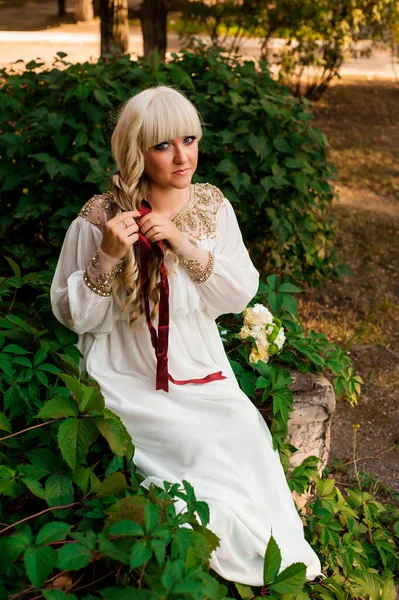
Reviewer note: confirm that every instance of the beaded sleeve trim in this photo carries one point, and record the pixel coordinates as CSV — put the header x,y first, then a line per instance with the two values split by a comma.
x,y
102,285
198,273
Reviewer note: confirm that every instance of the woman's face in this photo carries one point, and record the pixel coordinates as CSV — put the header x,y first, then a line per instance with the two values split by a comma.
x,y
172,163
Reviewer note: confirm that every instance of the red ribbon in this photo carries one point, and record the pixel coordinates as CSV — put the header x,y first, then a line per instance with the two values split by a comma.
x,y
160,340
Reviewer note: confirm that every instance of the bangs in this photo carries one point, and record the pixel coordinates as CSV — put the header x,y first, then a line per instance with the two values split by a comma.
x,y
169,115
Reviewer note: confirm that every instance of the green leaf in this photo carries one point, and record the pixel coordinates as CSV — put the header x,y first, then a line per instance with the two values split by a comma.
x,y
114,485
58,594
282,145
35,487
139,555
73,557
58,408
152,515
291,580
126,528
289,288
14,266
113,430
5,424
15,349
39,562
272,561
101,96
244,590
53,532
59,490
75,437
49,368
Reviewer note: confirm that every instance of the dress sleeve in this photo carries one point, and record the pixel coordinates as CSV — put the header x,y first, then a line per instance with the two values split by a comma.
x,y
73,302
234,280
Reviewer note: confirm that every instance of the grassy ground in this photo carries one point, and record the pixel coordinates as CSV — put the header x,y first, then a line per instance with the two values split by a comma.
x,y
361,120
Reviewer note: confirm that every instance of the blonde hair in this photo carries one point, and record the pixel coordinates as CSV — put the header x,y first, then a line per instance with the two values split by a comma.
x,y
153,116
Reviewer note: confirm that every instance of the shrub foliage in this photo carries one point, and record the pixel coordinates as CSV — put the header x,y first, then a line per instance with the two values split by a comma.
x,y
75,522
259,147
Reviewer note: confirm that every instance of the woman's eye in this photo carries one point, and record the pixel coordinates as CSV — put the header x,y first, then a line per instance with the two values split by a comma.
x,y
162,146
189,139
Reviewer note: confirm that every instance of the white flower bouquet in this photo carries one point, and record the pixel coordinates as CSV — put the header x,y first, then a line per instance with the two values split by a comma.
x,y
265,330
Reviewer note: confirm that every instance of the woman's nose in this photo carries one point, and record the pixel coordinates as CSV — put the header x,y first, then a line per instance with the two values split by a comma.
x,y
180,153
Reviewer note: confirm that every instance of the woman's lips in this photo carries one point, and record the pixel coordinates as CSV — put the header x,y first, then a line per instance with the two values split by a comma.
x,y
180,172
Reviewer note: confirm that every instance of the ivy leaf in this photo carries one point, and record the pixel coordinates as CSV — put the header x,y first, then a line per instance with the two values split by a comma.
x,y
291,580
152,515
14,266
75,437
272,561
39,562
5,424
35,487
113,485
282,145
58,408
15,349
139,555
59,490
53,532
126,528
73,557
113,430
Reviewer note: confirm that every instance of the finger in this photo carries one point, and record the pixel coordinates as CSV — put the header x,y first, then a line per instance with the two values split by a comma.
x,y
156,237
133,214
146,227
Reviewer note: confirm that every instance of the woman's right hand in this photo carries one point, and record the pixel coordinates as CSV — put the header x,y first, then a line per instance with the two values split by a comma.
x,y
120,233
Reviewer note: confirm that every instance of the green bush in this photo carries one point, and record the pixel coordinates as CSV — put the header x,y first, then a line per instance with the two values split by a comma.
x,y
259,147
75,523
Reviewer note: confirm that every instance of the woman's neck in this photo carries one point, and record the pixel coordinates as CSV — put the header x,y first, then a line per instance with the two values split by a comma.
x,y
166,201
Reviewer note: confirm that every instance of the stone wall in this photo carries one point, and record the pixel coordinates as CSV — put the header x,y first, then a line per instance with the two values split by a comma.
x,y
309,425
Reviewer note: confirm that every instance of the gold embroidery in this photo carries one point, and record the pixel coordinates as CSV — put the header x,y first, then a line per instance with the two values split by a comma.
x,y
198,216
103,283
195,270
94,209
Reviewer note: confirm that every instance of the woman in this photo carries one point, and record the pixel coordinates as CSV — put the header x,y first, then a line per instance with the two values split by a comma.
x,y
144,271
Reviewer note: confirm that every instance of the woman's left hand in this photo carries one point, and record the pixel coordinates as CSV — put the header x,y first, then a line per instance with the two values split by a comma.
x,y
156,228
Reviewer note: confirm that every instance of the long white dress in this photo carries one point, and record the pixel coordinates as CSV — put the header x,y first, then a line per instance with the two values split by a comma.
x,y
212,435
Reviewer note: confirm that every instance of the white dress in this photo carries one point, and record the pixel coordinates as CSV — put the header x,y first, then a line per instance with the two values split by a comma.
x,y
212,435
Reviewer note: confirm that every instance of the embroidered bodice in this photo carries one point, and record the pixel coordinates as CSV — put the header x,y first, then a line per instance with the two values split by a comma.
x,y
197,218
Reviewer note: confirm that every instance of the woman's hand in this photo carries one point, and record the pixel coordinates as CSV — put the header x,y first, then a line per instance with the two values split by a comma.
x,y
120,233
156,228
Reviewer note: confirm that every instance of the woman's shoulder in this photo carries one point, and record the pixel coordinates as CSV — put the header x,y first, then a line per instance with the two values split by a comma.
x,y
209,195
99,209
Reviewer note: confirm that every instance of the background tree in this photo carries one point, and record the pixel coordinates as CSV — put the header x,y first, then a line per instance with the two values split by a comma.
x,y
84,10
114,26
61,8
154,27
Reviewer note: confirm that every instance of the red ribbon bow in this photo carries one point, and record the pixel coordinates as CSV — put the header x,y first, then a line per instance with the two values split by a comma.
x,y
160,339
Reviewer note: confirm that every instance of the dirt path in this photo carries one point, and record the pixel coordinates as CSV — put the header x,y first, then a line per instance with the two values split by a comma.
x,y
362,312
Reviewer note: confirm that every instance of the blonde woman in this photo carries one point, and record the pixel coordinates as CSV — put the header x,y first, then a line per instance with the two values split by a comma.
x,y
144,271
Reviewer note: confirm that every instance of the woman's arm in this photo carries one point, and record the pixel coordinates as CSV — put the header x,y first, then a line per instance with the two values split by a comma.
x,y
226,277
80,290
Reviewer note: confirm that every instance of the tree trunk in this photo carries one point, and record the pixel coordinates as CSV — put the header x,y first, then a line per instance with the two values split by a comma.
x,y
153,25
61,8
114,26
120,29
84,10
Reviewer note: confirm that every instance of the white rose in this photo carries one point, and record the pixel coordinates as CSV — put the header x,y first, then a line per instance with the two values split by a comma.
x,y
257,315
280,339
245,332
